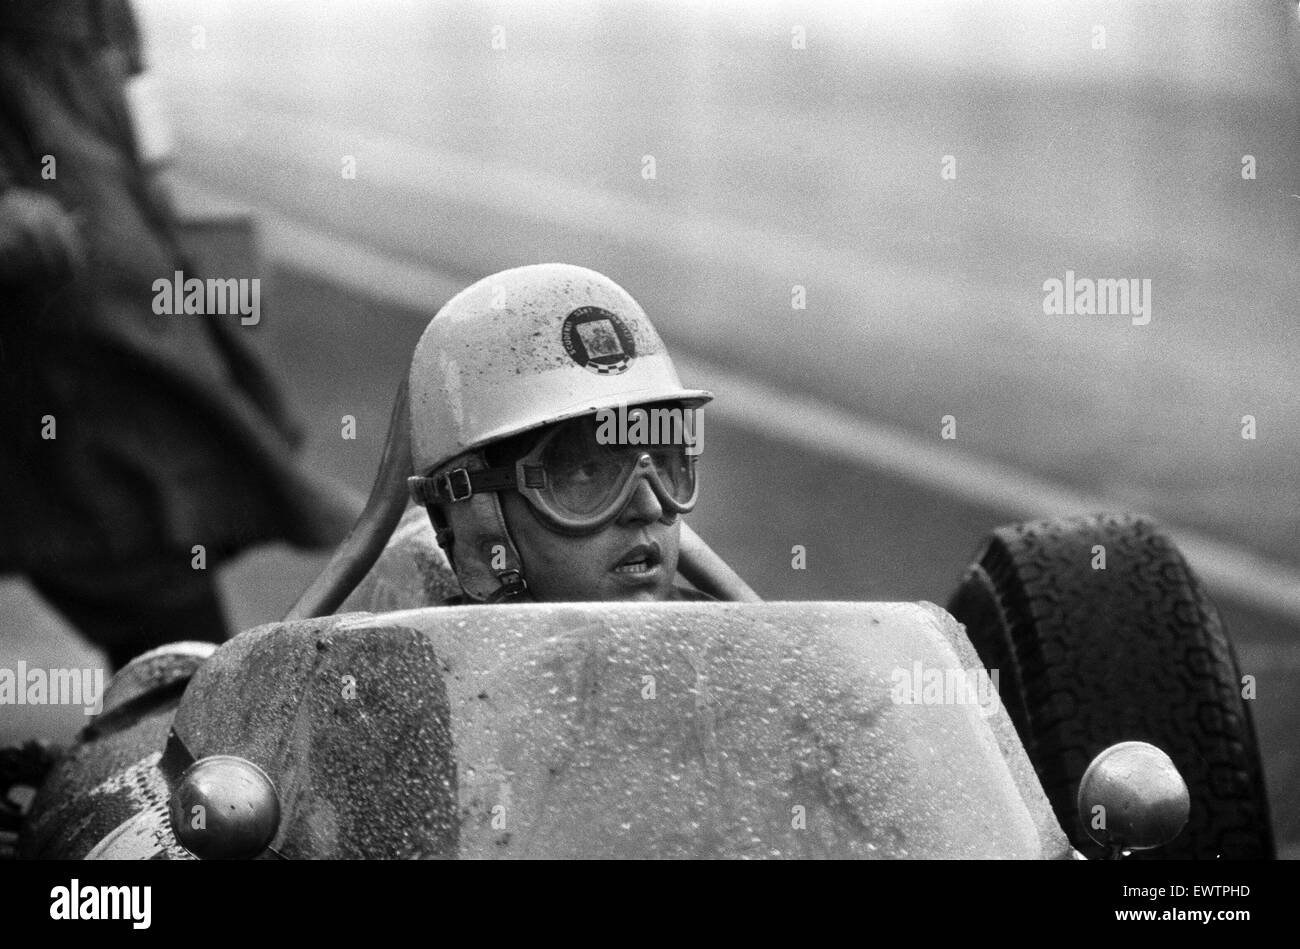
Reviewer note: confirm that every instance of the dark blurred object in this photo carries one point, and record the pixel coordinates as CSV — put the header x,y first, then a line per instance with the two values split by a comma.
x,y
21,767
105,27
168,431
36,235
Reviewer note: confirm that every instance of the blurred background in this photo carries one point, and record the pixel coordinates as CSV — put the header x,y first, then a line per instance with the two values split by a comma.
x,y
798,145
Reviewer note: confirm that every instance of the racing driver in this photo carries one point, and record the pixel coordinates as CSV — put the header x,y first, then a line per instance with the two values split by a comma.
x,y
533,492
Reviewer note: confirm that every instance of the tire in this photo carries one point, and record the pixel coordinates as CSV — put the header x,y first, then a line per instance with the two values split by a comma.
x,y
1135,651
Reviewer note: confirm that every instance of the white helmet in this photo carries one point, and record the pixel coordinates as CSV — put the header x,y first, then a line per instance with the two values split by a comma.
x,y
517,351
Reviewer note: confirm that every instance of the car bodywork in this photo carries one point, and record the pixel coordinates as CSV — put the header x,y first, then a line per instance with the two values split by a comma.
x,y
678,730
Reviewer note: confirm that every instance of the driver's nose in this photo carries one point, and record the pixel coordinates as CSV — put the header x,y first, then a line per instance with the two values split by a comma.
x,y
643,506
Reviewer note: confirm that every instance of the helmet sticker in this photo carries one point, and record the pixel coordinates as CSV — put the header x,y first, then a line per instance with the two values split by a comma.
x,y
598,340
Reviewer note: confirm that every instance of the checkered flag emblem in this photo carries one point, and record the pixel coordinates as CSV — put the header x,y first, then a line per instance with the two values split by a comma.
x,y
598,341
601,341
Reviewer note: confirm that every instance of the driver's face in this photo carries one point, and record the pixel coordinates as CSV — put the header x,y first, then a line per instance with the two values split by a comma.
x,y
633,557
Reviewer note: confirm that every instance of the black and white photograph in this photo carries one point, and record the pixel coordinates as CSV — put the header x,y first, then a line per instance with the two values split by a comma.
x,y
651,430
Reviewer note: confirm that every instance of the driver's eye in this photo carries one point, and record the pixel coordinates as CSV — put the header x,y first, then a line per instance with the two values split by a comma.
x,y
582,471
669,459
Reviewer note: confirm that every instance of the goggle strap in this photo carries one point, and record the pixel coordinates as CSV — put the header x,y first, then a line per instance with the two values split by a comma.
x,y
460,484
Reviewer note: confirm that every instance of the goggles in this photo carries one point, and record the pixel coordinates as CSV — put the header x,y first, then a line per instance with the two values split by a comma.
x,y
573,481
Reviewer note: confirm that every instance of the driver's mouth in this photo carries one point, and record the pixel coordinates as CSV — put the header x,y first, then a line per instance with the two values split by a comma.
x,y
640,559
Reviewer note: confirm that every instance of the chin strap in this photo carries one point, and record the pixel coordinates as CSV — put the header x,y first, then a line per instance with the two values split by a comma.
x,y
473,533
512,585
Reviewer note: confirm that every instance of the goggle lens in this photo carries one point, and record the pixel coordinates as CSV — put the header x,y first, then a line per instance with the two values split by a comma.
x,y
584,477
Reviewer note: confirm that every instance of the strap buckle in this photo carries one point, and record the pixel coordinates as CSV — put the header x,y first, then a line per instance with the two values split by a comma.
x,y
512,584
449,486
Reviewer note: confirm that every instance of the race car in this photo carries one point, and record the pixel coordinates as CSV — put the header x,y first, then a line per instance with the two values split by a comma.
x,y
1056,709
